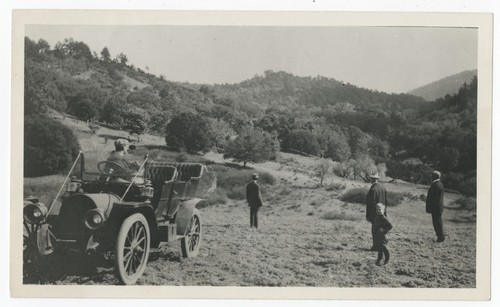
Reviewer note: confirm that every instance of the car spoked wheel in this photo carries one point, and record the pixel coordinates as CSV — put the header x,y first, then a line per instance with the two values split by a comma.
x,y
190,244
29,242
132,248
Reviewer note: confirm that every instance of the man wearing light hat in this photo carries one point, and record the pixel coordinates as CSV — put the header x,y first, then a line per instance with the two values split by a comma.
x,y
376,194
434,204
117,156
254,199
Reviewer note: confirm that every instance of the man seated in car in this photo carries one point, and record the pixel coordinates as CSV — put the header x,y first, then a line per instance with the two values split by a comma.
x,y
117,156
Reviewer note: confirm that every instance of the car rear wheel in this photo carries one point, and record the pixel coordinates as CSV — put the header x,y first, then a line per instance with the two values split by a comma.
x,y
190,244
132,248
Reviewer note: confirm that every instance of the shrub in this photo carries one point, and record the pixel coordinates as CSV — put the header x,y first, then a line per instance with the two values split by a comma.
x,y
469,186
228,177
337,147
322,169
337,187
49,147
302,141
362,167
342,169
218,197
467,203
83,108
358,195
240,192
410,196
285,191
394,198
252,145
234,180
189,131
465,183
414,173
237,193
340,215
314,203
266,178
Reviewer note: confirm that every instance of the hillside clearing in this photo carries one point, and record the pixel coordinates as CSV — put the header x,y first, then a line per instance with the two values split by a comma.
x,y
307,237
296,248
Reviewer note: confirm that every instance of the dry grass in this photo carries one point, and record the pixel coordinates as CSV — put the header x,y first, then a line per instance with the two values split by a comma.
x,y
296,248
340,215
307,237
45,188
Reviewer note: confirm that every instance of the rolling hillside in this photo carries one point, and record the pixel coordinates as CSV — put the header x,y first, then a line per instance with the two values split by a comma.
x,y
445,86
316,116
307,237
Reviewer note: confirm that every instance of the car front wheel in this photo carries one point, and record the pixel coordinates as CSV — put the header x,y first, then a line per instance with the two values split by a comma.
x,y
132,248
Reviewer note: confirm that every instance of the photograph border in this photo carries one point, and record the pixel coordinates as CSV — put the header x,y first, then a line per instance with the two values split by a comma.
x,y
482,21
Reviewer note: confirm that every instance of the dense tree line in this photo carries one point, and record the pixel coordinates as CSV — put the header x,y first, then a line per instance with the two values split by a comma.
x,y
253,120
49,147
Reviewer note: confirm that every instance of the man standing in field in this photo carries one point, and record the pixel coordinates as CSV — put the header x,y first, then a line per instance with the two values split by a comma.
x,y
434,204
376,194
254,200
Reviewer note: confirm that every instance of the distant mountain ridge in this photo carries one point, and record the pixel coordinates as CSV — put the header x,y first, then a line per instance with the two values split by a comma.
x,y
283,89
445,86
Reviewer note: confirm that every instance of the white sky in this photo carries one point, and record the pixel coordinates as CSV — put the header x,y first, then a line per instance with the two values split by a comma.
x,y
390,59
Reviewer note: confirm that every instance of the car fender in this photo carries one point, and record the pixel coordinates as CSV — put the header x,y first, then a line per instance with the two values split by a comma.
x,y
184,215
123,210
103,201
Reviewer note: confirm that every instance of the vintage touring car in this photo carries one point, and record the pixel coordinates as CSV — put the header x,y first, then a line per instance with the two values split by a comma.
x,y
107,208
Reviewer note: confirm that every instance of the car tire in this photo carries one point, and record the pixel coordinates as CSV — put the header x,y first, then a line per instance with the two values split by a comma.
x,y
132,248
190,244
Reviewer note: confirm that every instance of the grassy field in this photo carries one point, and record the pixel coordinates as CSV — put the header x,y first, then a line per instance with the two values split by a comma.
x,y
307,237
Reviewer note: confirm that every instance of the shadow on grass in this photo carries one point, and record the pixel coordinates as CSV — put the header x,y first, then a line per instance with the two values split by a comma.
x,y
307,187
153,147
111,137
57,267
159,254
237,166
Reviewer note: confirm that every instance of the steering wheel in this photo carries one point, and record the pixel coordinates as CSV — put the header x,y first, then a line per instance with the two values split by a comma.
x,y
105,166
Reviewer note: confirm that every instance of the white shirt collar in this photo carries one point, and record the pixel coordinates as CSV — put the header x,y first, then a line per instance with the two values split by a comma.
x,y
435,180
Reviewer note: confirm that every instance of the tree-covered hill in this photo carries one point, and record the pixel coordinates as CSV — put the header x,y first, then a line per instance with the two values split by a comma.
x,y
445,86
353,126
286,90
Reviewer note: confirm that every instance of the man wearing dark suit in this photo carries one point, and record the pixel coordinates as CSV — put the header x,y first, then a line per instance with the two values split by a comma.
x,y
254,200
376,194
434,204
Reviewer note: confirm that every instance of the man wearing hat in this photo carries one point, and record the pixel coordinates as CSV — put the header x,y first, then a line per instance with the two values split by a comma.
x,y
434,204
117,156
254,199
376,194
